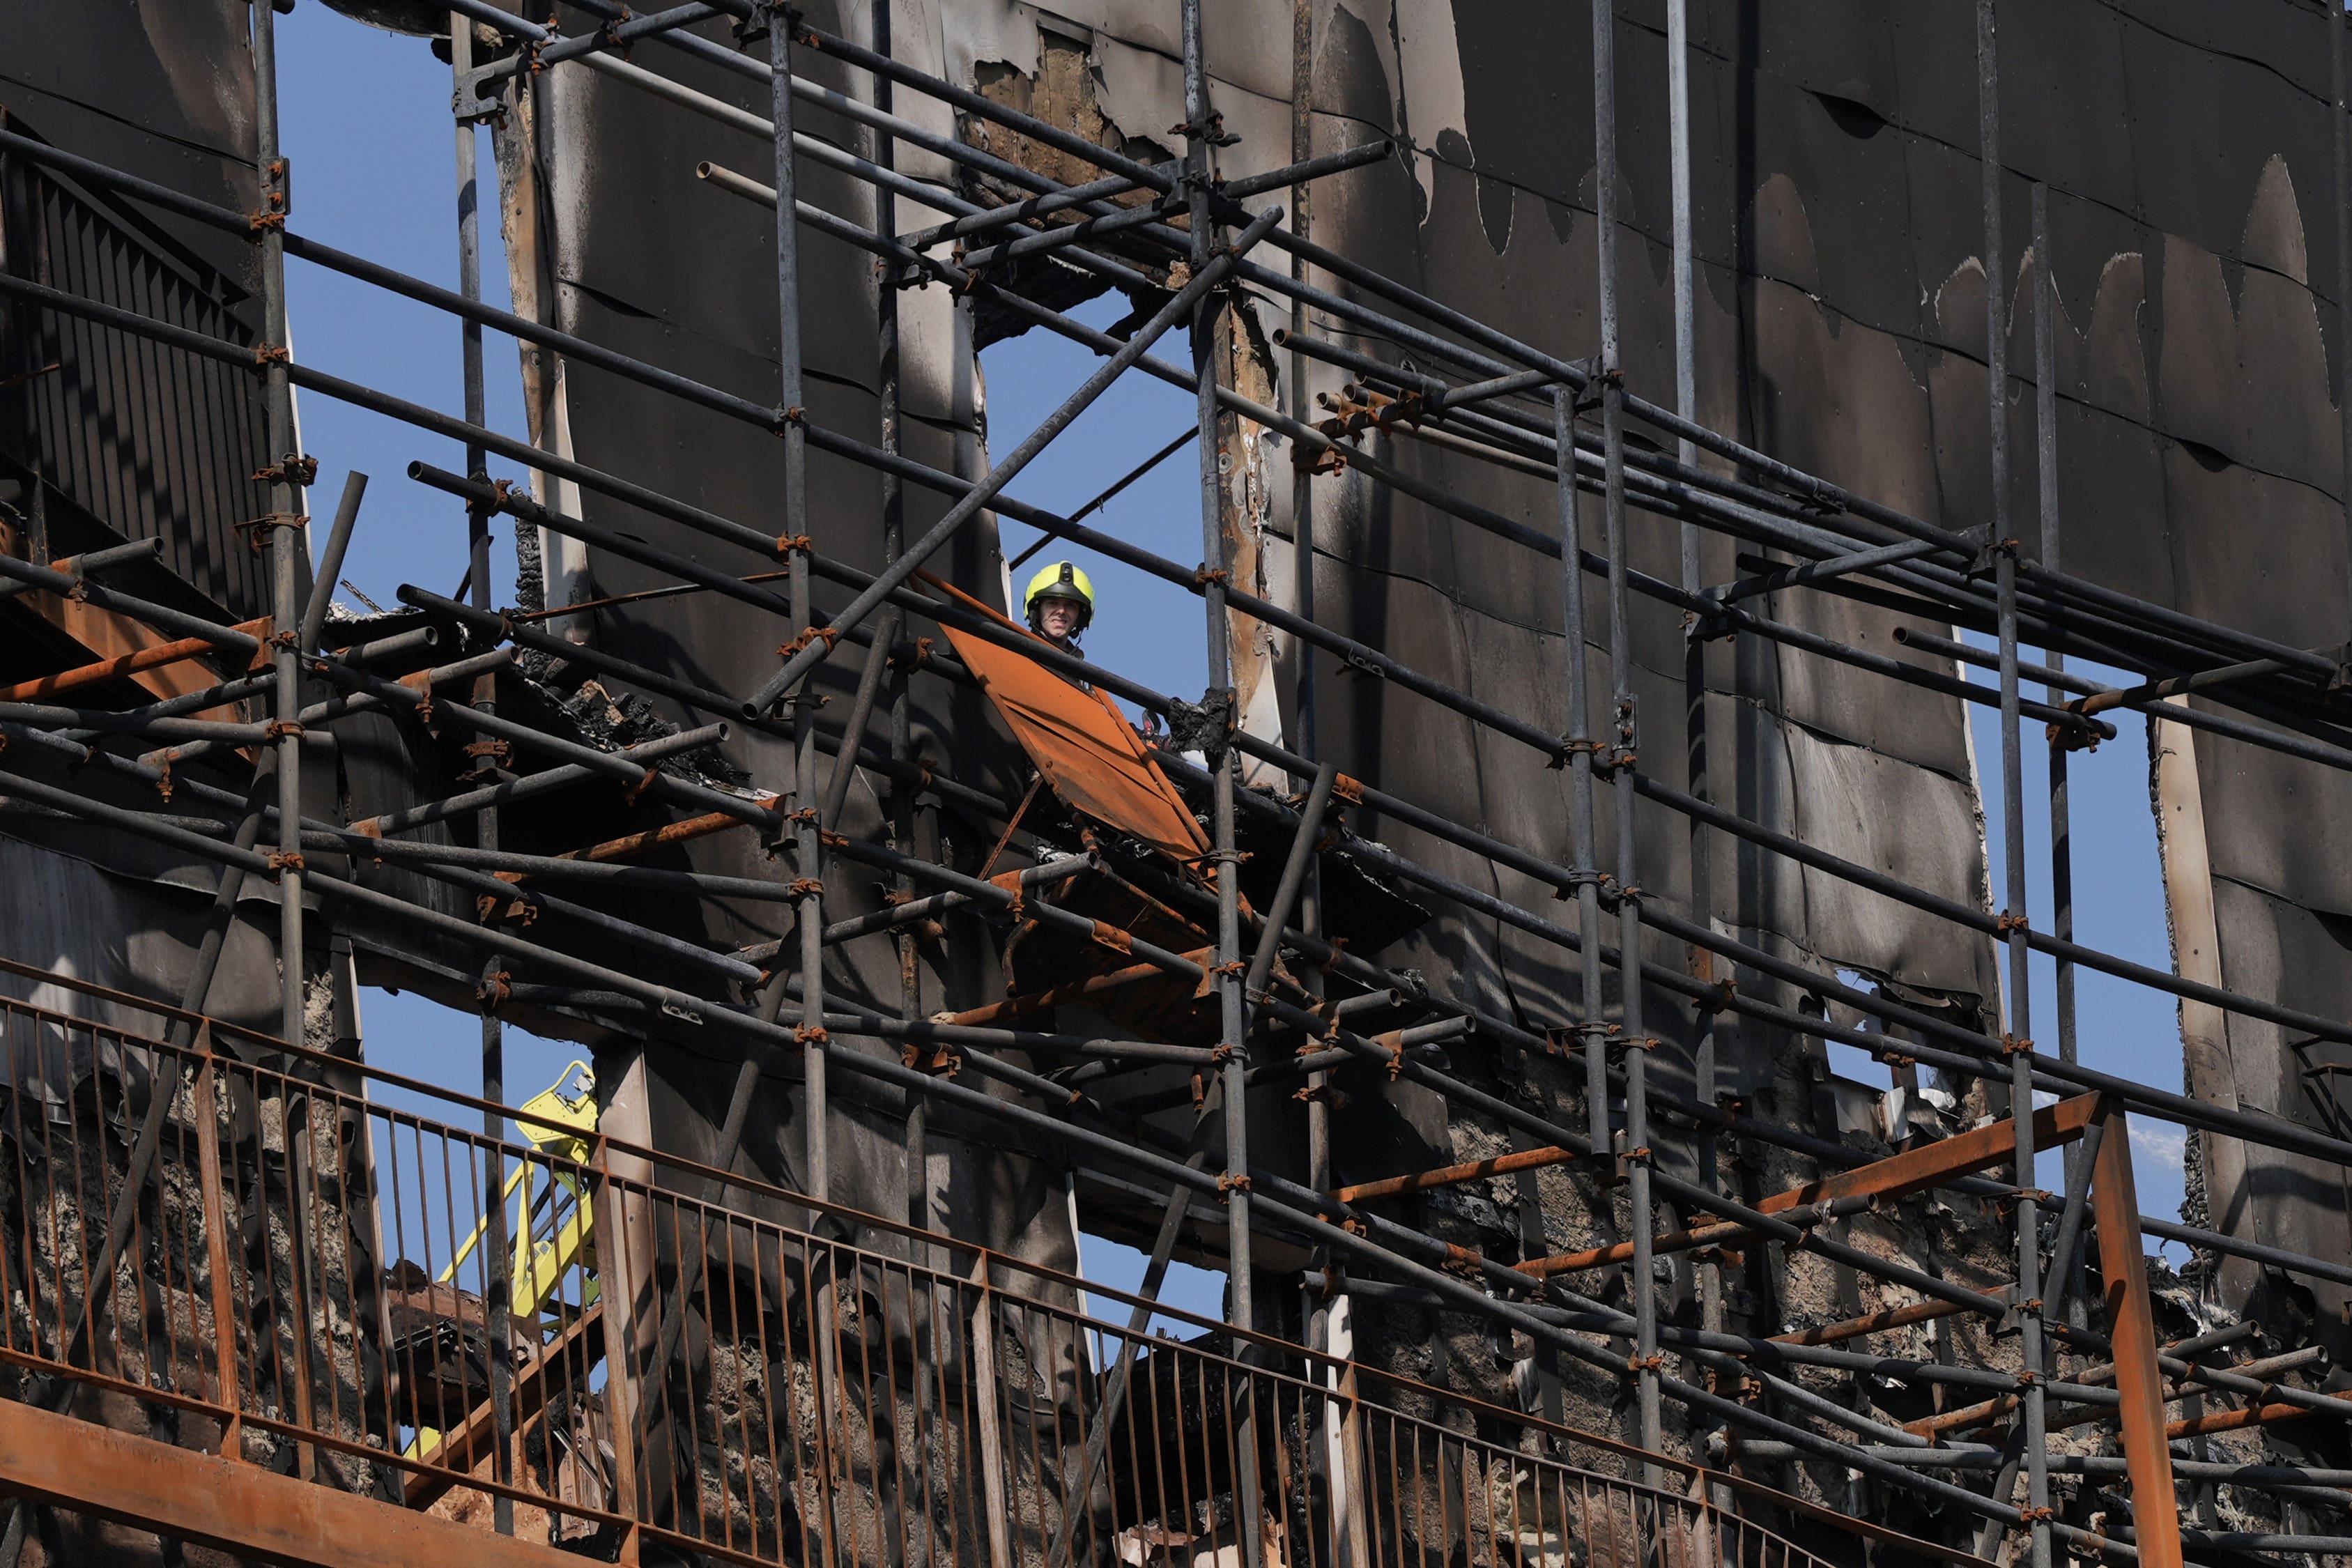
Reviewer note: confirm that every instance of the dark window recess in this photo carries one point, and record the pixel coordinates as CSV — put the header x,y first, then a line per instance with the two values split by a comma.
x,y
141,440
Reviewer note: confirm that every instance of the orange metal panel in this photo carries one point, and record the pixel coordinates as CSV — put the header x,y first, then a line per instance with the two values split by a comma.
x,y
248,1510
109,637
1079,741
129,664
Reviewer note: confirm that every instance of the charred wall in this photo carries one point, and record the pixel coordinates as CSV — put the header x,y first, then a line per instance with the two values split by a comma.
x,y
105,437
1840,326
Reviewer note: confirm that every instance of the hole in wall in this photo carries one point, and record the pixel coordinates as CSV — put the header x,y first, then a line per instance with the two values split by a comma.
x,y
1852,116
2209,459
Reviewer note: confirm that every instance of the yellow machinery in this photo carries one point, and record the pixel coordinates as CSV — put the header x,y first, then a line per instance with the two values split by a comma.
x,y
550,1217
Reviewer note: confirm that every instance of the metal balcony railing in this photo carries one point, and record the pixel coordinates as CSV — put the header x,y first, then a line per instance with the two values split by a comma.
x,y
725,1365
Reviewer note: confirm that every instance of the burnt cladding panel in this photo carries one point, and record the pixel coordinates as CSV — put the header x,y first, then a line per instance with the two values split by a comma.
x,y
147,440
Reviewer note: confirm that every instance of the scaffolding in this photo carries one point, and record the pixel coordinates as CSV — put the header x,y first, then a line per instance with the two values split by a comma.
x,y
1296,1452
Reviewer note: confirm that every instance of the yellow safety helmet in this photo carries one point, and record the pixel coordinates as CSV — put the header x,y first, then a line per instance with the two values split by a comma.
x,y
1062,580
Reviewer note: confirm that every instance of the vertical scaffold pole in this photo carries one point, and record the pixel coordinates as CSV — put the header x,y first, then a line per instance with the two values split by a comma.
x,y
287,532
1307,741
1218,553
1708,1268
900,802
1641,1287
2062,837
2018,1039
2045,454
1584,831
2339,22
497,1286
805,789
1330,1312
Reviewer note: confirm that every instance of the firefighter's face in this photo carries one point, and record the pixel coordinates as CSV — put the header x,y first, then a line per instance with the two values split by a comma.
x,y
1059,618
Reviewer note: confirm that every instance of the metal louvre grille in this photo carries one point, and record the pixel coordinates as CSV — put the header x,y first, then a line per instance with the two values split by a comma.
x,y
147,439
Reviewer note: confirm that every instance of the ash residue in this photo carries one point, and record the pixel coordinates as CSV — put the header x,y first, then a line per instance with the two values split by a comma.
x,y
600,714
531,572
613,719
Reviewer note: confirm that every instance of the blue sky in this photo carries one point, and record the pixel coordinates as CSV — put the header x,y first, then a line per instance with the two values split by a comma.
x,y
367,124
2118,909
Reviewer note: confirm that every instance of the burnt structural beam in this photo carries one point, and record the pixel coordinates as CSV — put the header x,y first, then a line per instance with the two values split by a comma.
x,y
287,527
1028,210
247,1510
288,547
228,639
552,48
1822,571
2140,700
1325,1307
330,563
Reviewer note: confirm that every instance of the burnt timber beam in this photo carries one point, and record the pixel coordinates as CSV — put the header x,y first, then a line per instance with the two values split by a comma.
x,y
574,1352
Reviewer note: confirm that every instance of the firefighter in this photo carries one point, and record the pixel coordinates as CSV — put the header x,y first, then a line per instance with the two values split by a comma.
x,y
1061,605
